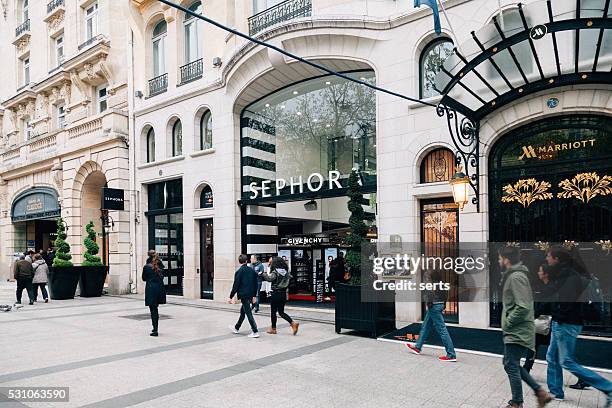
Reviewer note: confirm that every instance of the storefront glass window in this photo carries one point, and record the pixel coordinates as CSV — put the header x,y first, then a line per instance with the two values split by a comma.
x,y
315,126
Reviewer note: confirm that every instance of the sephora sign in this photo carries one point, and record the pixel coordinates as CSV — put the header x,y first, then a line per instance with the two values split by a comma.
x,y
295,185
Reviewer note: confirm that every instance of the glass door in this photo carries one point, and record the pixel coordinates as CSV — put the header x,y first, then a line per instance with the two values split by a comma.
x,y
167,239
439,237
207,259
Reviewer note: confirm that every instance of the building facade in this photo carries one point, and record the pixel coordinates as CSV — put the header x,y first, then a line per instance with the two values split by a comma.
x,y
64,127
226,147
242,142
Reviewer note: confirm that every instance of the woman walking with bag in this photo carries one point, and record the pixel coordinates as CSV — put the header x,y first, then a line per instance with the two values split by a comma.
x,y
155,293
280,277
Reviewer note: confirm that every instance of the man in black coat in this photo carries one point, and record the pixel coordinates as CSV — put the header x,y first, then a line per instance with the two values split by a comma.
x,y
24,273
245,286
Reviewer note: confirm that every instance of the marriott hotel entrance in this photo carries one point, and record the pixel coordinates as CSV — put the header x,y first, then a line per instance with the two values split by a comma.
x,y
298,148
551,182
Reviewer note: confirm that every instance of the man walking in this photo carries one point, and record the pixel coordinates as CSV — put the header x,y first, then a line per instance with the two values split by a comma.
x,y
518,326
259,269
567,322
24,273
245,285
436,300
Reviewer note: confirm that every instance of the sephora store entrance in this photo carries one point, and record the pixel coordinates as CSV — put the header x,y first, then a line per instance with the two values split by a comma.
x,y
298,148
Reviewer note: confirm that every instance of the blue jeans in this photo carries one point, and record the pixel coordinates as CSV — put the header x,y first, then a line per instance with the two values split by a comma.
x,y
561,355
434,317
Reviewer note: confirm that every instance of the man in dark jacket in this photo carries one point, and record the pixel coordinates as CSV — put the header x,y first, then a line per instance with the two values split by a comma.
x,y
24,273
518,327
567,321
435,302
245,286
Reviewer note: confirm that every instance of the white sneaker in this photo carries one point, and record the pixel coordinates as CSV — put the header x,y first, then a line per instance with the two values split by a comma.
x,y
233,329
254,335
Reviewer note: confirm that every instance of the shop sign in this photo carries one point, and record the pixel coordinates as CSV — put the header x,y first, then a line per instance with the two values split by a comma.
x,y
113,199
35,203
305,241
314,183
548,151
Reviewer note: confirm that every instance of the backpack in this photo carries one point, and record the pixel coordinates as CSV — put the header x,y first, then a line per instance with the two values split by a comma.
x,y
283,281
592,299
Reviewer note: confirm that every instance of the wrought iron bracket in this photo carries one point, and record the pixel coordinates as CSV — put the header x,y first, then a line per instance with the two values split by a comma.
x,y
464,133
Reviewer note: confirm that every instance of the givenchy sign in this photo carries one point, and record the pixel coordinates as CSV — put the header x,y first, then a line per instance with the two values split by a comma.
x,y
546,152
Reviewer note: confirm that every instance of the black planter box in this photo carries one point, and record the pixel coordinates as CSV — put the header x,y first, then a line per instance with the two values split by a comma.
x,y
63,282
92,280
374,317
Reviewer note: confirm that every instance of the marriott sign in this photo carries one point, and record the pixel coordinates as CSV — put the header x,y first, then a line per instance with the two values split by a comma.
x,y
547,151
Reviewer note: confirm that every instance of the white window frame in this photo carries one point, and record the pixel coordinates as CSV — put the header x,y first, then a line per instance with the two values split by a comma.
x,y
59,49
26,70
25,12
159,63
91,21
60,115
192,23
27,129
101,99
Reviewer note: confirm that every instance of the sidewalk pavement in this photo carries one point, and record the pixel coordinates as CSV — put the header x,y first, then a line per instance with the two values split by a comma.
x,y
100,348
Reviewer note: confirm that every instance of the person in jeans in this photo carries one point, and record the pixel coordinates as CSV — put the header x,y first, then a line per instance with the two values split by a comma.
x,y
567,322
245,286
155,292
24,273
41,271
518,327
279,276
544,295
436,300
258,268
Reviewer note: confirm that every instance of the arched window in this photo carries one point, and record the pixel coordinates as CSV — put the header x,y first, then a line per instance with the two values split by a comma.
x,y
177,139
25,11
193,34
438,165
206,197
159,49
432,58
150,146
206,131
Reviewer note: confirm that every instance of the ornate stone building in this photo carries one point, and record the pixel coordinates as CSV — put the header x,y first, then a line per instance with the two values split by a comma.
x,y
63,126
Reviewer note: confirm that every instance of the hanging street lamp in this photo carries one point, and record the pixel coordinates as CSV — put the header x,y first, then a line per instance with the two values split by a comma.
x,y
460,183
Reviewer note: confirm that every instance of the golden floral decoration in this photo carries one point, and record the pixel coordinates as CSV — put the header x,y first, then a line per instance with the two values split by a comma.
x,y
585,186
542,246
605,245
526,192
569,245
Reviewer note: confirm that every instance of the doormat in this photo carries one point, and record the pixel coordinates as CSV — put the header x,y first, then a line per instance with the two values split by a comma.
x,y
145,316
589,352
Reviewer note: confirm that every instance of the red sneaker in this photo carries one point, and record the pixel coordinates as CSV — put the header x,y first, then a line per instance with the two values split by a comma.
x,y
413,349
447,359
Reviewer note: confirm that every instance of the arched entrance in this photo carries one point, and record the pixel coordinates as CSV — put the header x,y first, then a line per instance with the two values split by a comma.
x,y
91,199
551,182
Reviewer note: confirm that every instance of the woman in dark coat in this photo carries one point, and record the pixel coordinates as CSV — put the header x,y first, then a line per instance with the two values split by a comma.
x,y
544,296
155,292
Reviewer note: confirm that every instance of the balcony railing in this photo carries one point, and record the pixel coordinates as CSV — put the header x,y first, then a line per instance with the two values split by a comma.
x,y
192,71
25,26
89,42
53,5
158,85
285,11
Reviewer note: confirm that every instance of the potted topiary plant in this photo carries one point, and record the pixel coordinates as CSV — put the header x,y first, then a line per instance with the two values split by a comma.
x,y
93,271
375,317
64,277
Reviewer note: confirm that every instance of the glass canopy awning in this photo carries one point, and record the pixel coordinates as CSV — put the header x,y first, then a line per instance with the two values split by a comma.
x,y
538,46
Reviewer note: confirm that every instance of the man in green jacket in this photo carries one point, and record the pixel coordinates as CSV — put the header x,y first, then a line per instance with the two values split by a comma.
x,y
518,326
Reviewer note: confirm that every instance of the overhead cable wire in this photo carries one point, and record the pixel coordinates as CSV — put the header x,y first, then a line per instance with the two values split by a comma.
x,y
293,56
